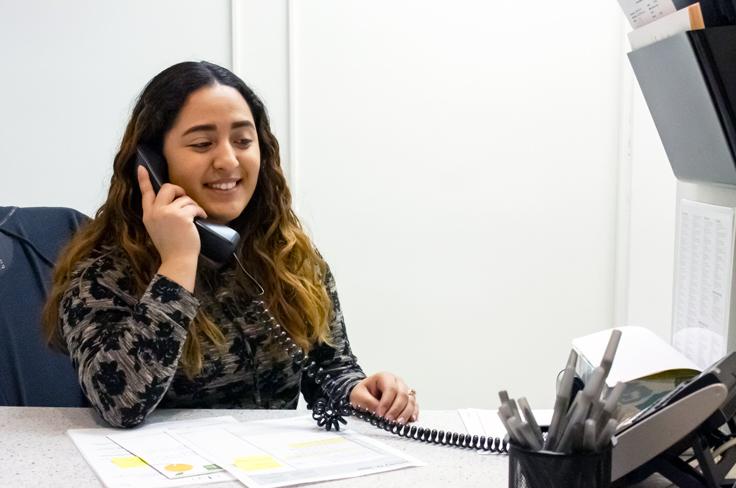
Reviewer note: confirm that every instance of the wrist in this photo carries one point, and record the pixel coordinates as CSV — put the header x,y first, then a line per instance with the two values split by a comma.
x,y
181,270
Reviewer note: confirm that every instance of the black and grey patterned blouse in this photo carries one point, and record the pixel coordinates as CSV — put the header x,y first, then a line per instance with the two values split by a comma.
x,y
126,348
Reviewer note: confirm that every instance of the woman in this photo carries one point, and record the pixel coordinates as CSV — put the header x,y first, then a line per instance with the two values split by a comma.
x,y
148,322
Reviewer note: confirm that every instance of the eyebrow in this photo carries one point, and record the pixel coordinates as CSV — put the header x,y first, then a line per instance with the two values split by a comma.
x,y
212,127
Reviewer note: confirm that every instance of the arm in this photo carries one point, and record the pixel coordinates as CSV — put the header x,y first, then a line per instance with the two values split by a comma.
x,y
337,360
125,349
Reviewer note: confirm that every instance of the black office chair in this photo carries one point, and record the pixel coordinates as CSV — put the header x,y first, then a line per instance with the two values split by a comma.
x,y
31,374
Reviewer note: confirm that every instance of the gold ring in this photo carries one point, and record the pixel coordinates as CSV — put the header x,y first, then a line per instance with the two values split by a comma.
x,y
412,392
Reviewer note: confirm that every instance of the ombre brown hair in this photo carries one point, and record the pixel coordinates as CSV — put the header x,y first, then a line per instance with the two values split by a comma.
x,y
273,245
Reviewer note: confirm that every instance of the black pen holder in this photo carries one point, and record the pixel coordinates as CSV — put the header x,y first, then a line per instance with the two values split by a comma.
x,y
545,469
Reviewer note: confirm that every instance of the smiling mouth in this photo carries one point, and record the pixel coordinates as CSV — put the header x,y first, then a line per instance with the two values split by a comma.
x,y
224,186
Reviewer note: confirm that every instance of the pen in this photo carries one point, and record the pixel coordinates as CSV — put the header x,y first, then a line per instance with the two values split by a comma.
x,y
610,353
606,434
580,408
564,391
515,425
513,435
611,404
572,359
572,432
529,437
529,416
596,409
589,443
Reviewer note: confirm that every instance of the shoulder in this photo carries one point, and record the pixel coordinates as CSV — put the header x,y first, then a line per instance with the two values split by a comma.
x,y
106,265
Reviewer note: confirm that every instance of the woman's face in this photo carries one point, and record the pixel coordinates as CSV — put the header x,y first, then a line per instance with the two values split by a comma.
x,y
212,151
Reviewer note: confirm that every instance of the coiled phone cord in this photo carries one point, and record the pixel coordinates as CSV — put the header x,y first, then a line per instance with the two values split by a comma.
x,y
330,412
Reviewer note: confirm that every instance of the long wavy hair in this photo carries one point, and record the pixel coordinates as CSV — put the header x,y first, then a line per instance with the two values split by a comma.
x,y
273,244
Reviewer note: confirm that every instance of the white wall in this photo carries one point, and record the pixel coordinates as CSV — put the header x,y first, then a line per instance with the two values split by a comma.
x,y
460,169
651,243
71,73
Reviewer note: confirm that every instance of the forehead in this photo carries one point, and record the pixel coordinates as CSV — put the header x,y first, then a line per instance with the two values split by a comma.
x,y
213,104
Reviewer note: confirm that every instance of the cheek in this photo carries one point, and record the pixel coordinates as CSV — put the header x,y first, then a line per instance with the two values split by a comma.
x,y
252,166
183,178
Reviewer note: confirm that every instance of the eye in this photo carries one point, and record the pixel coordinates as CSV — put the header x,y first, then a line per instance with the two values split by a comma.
x,y
200,145
243,142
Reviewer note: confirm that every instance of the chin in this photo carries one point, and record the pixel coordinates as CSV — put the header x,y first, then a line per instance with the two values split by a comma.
x,y
223,217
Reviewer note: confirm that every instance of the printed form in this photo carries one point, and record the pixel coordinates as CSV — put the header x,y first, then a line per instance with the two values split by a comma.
x,y
273,453
642,12
703,274
117,467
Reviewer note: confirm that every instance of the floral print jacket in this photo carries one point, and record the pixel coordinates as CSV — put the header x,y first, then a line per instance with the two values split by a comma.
x,y
126,348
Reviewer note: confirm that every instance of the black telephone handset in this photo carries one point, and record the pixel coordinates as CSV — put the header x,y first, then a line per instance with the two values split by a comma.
x,y
218,242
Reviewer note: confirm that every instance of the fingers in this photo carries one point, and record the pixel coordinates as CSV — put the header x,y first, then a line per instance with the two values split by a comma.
x,y
387,396
362,397
168,193
190,205
147,193
400,403
410,412
389,390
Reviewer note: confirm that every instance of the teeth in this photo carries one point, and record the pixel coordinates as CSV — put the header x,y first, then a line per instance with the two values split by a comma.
x,y
223,186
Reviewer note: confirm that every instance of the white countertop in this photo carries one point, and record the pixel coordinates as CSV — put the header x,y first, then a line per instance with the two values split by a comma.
x,y
36,452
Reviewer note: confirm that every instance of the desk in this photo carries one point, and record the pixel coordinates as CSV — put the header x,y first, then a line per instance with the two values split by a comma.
x,y
35,451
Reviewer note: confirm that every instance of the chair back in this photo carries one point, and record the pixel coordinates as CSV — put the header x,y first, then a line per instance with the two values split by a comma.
x,y
31,374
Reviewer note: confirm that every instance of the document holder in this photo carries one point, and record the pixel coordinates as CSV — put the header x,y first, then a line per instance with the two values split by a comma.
x,y
689,84
687,436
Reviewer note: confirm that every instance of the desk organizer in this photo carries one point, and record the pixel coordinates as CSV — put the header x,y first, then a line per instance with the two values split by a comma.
x,y
545,469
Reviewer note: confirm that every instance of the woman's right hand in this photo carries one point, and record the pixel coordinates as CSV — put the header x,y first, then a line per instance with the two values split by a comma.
x,y
169,220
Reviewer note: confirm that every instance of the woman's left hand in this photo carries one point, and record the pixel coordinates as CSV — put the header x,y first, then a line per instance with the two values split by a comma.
x,y
388,396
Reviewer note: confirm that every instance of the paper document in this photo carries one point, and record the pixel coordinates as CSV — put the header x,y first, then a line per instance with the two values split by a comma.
x,y
703,273
642,12
273,453
640,353
117,467
165,454
686,19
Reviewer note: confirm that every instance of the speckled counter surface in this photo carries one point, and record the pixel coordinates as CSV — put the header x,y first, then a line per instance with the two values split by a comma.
x,y
35,451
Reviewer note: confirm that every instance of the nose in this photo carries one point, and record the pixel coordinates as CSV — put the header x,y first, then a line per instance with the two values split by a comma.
x,y
225,158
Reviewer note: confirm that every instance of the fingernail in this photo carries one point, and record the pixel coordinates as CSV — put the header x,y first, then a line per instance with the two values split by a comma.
x,y
401,420
389,417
